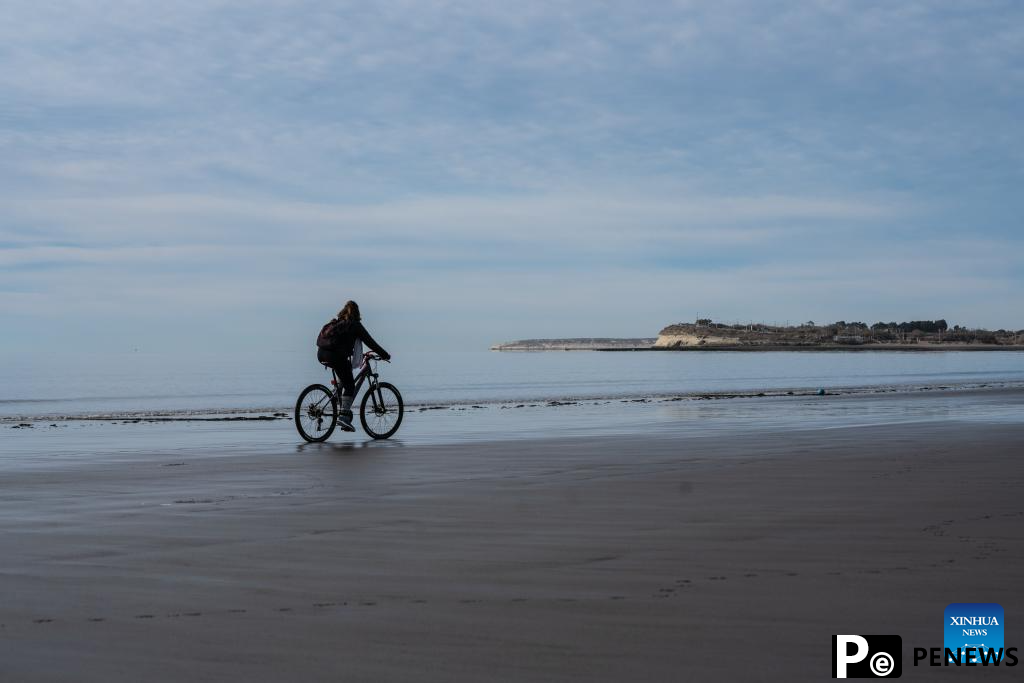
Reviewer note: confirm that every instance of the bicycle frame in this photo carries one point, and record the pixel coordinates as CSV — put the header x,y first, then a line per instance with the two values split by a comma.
x,y
366,373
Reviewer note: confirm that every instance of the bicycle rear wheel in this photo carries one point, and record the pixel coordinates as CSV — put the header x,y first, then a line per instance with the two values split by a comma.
x,y
381,411
316,413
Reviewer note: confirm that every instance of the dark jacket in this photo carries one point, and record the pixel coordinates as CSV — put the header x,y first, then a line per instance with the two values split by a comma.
x,y
337,346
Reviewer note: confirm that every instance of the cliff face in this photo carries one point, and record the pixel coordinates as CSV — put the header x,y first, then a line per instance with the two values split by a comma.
x,y
716,334
675,338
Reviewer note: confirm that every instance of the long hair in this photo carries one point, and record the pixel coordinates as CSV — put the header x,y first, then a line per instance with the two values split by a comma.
x,y
349,312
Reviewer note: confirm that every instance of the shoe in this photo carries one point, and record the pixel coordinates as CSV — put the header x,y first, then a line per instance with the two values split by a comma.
x,y
345,415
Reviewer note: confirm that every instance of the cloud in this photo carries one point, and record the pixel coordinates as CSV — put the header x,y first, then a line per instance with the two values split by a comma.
x,y
147,218
528,165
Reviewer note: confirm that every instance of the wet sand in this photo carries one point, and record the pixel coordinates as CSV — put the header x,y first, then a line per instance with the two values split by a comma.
x,y
617,558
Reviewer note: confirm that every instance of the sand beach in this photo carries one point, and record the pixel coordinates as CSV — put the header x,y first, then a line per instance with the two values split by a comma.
x,y
622,557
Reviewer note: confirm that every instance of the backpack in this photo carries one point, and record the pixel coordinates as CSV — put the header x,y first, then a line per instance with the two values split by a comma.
x,y
334,335
327,338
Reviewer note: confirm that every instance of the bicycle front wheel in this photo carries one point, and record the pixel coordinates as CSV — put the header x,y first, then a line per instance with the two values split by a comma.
x,y
381,411
316,413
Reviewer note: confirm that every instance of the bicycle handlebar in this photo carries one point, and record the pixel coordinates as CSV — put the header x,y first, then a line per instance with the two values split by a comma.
x,y
370,355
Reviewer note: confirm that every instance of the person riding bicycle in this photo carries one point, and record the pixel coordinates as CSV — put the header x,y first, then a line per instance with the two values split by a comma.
x,y
334,349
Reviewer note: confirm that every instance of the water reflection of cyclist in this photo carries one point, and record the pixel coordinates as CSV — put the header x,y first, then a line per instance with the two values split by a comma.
x,y
334,348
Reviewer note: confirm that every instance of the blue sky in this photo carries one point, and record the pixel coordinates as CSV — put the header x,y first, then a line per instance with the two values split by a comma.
x,y
226,174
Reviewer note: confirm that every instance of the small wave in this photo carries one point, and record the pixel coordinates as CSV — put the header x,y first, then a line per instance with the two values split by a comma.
x,y
271,413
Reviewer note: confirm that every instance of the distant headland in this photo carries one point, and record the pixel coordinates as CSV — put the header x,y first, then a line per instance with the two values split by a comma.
x,y
579,344
705,334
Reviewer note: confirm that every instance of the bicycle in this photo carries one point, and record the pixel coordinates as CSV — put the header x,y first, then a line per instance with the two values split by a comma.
x,y
380,412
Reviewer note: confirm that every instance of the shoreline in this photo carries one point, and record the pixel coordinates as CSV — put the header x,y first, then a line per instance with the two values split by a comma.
x,y
271,414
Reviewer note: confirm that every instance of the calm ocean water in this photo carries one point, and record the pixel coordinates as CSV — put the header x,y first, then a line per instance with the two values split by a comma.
x,y
141,383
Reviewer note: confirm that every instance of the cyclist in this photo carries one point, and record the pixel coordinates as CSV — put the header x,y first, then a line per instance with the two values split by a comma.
x,y
334,349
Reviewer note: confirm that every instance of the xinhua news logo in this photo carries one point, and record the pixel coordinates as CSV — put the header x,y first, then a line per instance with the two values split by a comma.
x,y
975,629
867,656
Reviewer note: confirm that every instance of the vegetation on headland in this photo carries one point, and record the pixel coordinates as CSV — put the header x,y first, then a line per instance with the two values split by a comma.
x,y
922,333
707,334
